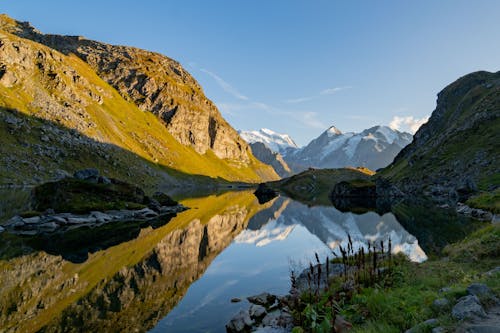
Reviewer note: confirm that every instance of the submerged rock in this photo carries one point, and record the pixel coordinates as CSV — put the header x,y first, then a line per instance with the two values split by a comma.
x,y
240,323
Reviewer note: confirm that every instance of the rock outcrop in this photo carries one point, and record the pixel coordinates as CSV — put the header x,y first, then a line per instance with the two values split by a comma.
x,y
457,152
267,156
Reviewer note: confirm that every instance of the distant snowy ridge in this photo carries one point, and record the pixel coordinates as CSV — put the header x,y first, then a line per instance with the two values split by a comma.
x,y
373,148
275,141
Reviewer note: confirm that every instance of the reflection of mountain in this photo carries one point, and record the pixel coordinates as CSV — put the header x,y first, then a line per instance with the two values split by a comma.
x,y
332,227
127,287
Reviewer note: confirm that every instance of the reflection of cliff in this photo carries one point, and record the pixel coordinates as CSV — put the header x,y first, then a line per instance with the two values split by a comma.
x,y
127,287
332,227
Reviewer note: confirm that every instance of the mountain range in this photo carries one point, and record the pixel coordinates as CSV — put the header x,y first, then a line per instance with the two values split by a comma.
x,y
372,148
67,103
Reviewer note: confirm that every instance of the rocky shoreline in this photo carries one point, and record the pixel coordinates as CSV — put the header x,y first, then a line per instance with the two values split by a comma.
x,y
52,222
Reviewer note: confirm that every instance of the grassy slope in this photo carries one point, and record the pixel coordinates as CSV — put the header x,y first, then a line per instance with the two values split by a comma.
x,y
315,185
103,265
122,124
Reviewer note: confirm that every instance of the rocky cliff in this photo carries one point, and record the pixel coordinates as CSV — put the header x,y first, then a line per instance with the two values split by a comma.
x,y
457,153
267,156
74,118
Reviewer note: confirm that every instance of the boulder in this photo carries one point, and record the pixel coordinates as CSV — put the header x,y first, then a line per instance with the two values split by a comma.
x,y
264,299
468,307
278,318
32,220
240,323
145,213
81,220
101,217
257,311
2,229
482,292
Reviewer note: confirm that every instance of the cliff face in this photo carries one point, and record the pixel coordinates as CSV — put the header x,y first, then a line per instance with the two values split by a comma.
x,y
457,152
155,83
267,156
59,115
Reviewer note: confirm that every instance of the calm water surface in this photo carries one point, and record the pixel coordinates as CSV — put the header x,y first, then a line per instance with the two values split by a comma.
x,y
179,274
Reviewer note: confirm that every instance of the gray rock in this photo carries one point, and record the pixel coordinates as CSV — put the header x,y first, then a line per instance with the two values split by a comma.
x,y
493,272
90,174
2,229
265,299
483,329
438,329
257,311
441,304
445,290
495,218
278,319
16,221
468,307
32,220
101,217
104,180
145,213
480,290
240,322
59,219
81,220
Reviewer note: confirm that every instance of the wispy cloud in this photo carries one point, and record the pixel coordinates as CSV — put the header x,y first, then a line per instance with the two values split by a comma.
x,y
334,90
299,100
407,123
308,118
328,91
225,85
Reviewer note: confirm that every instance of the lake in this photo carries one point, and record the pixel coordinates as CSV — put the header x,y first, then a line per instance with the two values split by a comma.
x,y
179,274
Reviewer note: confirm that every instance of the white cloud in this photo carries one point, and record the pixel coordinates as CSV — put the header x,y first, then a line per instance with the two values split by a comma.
x,y
225,86
331,91
299,100
328,91
407,123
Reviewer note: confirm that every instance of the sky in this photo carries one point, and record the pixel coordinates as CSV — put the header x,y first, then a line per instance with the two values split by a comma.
x,y
298,67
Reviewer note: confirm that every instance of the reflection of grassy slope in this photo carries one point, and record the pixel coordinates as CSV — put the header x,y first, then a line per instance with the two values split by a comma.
x,y
103,265
314,186
119,122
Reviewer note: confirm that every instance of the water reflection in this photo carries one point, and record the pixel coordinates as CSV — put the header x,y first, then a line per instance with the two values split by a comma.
x,y
178,275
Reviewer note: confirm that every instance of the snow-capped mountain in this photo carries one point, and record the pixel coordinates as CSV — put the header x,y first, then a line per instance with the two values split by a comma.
x,y
275,141
373,148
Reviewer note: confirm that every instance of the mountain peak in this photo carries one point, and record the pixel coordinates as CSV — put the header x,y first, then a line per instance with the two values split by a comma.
x,y
277,142
332,130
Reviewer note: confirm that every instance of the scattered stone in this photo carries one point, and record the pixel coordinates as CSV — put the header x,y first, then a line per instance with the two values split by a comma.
x,y
265,299
81,220
441,304
103,180
59,219
438,329
494,271
2,229
278,318
240,322
257,311
444,290
101,217
16,221
483,329
424,326
468,307
145,213
49,226
32,220
235,300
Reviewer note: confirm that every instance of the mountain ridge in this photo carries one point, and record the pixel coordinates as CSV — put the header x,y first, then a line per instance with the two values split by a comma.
x,y
74,119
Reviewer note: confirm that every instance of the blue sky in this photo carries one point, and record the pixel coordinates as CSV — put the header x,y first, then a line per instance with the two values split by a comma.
x,y
298,67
